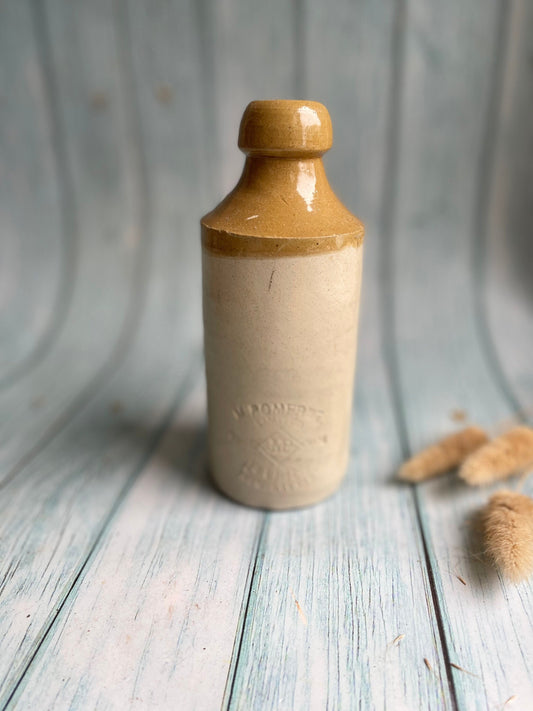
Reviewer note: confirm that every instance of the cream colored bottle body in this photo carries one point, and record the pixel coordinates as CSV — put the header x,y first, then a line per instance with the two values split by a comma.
x,y
280,324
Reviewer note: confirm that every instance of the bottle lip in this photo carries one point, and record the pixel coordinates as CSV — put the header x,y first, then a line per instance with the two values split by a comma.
x,y
285,128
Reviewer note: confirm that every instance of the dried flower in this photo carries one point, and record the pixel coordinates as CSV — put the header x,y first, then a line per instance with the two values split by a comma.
x,y
99,100
507,454
459,415
507,524
164,94
443,456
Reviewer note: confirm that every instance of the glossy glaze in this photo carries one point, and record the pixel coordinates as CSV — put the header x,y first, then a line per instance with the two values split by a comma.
x,y
283,192
282,262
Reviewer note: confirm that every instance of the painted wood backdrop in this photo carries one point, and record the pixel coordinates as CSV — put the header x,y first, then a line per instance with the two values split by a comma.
x,y
126,581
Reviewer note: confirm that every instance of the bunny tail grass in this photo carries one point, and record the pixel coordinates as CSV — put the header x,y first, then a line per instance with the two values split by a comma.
x,y
507,524
508,454
442,456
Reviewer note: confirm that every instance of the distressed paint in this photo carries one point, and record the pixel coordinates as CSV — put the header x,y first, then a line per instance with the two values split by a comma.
x,y
31,229
339,563
439,362
72,483
335,605
93,149
159,600
505,244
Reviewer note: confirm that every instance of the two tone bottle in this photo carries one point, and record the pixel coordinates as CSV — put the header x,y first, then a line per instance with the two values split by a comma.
x,y
282,265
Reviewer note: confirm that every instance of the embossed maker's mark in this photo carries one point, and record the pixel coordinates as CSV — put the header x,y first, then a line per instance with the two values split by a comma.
x,y
268,477
278,447
262,412
283,444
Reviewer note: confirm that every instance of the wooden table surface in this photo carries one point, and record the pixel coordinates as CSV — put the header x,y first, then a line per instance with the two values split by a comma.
x,y
126,580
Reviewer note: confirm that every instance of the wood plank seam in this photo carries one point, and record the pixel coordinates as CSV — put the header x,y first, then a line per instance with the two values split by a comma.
x,y
299,60
481,210
299,88
398,30
478,237
69,225
140,274
206,61
192,374
154,345
254,575
387,288
389,336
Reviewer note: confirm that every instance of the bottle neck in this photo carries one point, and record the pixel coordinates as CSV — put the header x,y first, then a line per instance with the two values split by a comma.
x,y
299,178
283,197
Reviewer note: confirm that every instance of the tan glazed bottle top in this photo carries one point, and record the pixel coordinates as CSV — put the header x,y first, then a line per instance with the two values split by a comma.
x,y
283,193
285,128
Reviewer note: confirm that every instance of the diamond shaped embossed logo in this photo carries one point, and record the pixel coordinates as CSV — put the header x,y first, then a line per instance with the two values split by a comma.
x,y
278,447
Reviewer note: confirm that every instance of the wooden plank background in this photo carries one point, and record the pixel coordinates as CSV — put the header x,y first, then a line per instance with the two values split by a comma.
x,y
126,580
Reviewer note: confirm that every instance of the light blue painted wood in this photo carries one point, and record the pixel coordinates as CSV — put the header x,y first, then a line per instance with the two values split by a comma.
x,y
141,102
349,67
253,57
172,131
73,486
151,623
336,585
94,148
72,493
179,121
506,291
440,362
31,227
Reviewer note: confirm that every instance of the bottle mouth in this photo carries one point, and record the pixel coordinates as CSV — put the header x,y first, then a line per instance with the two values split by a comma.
x,y
285,128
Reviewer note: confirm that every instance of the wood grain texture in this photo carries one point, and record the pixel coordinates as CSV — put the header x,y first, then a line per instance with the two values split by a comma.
x,y
439,362
72,486
349,66
30,301
125,580
169,86
337,584
330,590
159,601
78,55
505,244
174,120
252,51
71,493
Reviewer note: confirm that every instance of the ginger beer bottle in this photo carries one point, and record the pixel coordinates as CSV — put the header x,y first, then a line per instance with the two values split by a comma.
x,y
281,263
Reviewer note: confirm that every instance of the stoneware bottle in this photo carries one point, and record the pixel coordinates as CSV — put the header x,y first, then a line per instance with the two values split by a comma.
x,y
281,261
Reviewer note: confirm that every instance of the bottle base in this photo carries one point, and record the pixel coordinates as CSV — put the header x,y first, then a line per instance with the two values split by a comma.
x,y
266,500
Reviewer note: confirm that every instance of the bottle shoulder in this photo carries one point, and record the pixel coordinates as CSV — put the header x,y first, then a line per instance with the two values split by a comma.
x,y
279,215
283,198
